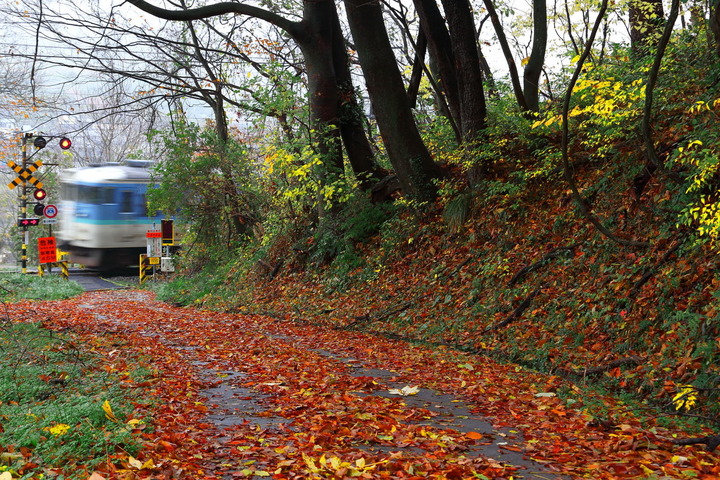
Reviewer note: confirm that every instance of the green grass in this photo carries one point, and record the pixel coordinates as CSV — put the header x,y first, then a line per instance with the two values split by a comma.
x,y
16,286
52,395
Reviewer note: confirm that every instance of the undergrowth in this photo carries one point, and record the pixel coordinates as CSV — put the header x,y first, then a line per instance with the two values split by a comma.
x,y
60,414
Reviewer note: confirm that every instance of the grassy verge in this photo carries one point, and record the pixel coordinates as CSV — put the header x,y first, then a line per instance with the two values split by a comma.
x,y
16,286
61,413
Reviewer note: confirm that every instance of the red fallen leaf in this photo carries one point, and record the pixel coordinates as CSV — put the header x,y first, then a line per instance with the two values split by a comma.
x,y
166,445
474,435
511,448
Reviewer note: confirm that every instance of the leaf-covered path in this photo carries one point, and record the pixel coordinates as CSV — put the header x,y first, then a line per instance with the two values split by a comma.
x,y
248,396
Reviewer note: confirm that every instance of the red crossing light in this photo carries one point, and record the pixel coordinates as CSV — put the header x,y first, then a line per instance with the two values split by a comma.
x,y
39,194
65,143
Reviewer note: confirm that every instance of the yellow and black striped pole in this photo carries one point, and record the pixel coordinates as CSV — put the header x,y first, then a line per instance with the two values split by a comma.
x,y
143,271
23,208
64,272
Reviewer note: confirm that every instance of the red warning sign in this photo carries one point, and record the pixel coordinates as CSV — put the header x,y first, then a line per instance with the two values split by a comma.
x,y
47,250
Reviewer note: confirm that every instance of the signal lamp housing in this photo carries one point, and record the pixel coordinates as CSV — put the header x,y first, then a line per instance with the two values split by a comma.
x,y
39,194
39,142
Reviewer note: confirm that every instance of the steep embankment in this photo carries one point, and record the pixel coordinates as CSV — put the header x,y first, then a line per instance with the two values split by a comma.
x,y
527,279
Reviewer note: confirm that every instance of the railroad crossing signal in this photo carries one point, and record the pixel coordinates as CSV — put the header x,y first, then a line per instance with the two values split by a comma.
x,y
27,222
25,174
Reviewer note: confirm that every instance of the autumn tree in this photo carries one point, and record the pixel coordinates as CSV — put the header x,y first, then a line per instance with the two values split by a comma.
x,y
407,152
316,35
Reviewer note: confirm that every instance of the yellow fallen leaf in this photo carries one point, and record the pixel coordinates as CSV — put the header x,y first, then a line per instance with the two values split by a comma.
x,y
5,476
108,411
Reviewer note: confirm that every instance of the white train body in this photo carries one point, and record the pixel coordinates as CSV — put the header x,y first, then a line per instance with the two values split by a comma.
x,y
103,217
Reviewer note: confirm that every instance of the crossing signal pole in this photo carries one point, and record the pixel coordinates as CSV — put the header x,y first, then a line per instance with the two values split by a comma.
x,y
23,205
25,175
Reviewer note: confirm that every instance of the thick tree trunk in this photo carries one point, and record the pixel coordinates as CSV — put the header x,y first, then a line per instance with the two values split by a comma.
x,y
715,25
357,146
316,43
534,67
406,150
473,112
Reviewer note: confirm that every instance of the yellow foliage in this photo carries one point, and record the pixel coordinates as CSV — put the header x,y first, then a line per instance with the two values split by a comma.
x,y
59,429
685,398
109,414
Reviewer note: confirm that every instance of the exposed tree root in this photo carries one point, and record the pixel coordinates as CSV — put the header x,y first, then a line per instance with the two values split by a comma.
x,y
711,442
555,252
516,314
590,371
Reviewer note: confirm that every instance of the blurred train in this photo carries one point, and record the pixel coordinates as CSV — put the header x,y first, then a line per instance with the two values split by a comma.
x,y
103,216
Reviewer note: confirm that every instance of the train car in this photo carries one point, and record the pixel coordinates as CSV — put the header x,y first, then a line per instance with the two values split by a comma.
x,y
103,216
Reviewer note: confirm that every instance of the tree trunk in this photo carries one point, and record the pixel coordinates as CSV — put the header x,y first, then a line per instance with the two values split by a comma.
x,y
473,112
535,64
316,43
715,25
507,52
441,53
408,154
357,146
418,68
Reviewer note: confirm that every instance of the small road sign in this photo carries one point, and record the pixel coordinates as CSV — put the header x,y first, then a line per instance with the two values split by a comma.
x,y
50,211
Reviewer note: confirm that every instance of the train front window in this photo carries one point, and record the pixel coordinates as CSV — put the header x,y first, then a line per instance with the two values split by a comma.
x,y
69,192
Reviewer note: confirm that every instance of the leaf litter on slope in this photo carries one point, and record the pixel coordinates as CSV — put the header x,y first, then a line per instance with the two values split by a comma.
x,y
331,425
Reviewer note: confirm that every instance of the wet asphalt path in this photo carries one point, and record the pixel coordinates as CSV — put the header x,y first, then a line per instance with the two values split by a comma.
x,y
94,281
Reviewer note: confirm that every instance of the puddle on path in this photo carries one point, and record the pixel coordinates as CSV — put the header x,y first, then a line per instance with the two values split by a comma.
x,y
231,404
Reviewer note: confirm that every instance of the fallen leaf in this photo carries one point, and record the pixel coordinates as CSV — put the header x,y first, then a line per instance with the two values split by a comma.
x,y
405,391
